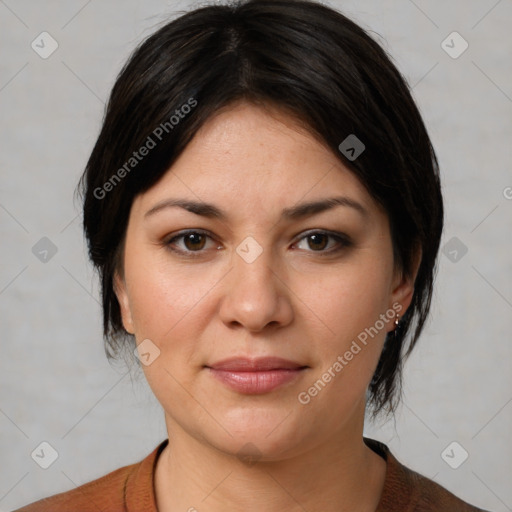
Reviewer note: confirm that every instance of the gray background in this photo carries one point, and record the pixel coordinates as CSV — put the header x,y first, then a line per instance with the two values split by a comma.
x,y
56,384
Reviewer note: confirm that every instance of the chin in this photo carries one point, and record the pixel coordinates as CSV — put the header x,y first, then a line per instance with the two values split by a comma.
x,y
259,433
258,448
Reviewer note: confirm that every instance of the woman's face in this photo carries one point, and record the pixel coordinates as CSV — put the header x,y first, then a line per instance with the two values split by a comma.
x,y
272,249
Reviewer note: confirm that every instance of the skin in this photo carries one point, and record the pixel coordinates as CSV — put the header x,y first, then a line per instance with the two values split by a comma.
x,y
301,299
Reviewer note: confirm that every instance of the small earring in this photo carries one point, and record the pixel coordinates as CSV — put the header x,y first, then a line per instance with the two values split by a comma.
x,y
397,321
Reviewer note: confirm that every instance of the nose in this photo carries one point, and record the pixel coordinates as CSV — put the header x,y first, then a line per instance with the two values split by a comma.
x,y
256,295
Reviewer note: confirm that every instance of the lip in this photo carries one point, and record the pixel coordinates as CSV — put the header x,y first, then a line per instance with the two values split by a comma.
x,y
247,364
256,376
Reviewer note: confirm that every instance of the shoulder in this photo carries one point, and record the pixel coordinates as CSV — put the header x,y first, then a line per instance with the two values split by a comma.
x,y
115,492
408,491
107,491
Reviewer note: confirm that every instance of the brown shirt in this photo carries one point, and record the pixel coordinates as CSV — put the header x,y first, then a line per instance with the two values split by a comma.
x,y
130,489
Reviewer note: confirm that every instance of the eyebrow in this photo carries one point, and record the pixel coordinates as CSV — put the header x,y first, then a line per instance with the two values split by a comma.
x,y
293,213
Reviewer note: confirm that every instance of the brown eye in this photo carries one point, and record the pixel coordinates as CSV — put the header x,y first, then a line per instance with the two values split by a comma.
x,y
194,241
318,241
191,243
324,242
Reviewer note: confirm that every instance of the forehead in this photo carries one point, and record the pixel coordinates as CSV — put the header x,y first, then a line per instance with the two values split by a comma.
x,y
247,156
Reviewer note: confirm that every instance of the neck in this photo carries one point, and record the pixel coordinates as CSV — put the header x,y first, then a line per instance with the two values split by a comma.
x,y
338,475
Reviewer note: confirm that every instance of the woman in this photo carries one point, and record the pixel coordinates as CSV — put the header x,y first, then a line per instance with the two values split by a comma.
x,y
263,205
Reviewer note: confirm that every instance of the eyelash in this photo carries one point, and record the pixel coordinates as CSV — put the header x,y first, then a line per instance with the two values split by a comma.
x,y
343,241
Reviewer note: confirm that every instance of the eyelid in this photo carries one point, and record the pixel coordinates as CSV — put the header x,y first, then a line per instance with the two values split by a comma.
x,y
181,234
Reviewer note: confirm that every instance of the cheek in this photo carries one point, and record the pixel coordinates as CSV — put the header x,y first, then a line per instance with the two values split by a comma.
x,y
349,303
349,299
169,308
166,300
347,351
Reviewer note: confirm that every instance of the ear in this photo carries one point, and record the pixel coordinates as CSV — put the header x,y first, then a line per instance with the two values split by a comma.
x,y
124,302
403,286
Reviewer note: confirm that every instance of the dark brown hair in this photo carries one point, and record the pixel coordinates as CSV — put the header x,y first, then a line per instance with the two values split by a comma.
x,y
307,60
